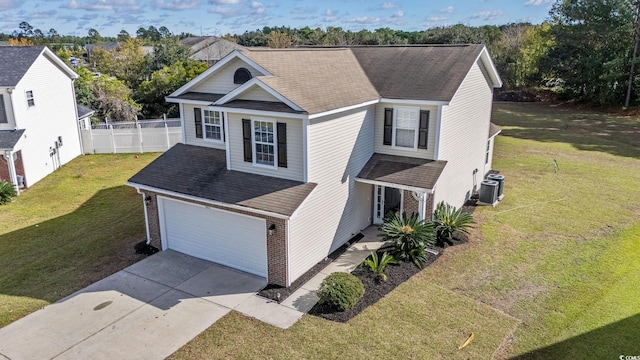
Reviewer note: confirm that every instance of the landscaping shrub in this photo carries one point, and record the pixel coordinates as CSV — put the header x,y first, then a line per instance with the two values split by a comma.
x,y
7,191
341,291
377,265
448,220
409,237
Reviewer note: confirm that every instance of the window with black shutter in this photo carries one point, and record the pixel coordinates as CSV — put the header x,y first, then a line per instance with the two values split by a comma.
x,y
197,115
282,145
388,126
246,139
423,134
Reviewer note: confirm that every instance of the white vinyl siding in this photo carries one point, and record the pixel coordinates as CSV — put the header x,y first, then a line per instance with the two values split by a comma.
x,y
393,150
190,129
294,169
463,138
339,146
53,115
257,93
221,81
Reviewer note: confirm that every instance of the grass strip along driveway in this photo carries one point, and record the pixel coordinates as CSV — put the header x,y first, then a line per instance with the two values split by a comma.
x,y
551,272
74,227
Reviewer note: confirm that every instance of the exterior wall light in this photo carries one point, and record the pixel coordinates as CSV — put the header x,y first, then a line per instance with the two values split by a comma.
x,y
272,229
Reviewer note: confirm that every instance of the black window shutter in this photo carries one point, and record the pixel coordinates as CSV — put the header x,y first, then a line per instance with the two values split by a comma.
x,y
3,111
222,126
282,145
197,115
423,134
388,126
246,139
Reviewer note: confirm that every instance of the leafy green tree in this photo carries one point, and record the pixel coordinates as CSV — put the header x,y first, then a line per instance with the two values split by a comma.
x,y
93,36
129,63
279,40
151,93
169,50
593,42
123,35
112,99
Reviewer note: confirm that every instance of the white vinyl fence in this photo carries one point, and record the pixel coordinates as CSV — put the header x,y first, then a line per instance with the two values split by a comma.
x,y
132,137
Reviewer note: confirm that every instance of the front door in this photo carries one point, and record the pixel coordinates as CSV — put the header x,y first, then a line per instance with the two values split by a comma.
x,y
386,199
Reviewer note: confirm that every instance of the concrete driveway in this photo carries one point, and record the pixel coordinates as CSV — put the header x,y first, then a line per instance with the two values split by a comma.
x,y
146,311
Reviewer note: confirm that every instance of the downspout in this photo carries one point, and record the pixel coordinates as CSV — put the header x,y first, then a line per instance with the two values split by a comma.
x,y
75,109
146,215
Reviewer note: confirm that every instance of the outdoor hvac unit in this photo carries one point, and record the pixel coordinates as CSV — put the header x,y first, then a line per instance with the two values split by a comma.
x,y
489,191
500,180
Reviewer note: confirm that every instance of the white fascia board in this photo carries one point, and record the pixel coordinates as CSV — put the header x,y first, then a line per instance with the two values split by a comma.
x,y
139,187
256,82
493,71
255,112
235,54
414,102
397,186
346,108
494,135
61,64
187,101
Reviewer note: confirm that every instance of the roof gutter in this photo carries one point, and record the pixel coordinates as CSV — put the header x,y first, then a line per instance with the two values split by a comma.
x,y
139,187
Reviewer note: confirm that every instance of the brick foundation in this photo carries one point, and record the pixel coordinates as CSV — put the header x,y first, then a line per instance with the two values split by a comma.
x,y
276,243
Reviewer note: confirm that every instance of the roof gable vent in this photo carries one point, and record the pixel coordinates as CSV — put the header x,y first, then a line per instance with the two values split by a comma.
x,y
241,76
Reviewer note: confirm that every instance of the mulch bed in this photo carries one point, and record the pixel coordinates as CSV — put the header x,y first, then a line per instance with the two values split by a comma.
x,y
375,288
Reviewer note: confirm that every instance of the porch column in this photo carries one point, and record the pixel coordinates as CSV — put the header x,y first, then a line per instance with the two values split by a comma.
x,y
8,155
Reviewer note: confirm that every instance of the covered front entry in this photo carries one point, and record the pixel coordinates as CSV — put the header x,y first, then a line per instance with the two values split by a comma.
x,y
386,200
235,240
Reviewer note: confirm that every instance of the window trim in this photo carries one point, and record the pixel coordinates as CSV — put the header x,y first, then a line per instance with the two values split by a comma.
x,y
30,98
204,126
274,143
416,129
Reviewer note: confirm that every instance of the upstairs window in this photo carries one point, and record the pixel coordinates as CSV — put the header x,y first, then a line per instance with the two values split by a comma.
x,y
264,141
406,126
212,125
241,76
30,101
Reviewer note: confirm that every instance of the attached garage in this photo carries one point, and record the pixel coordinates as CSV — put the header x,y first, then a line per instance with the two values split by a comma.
x,y
235,240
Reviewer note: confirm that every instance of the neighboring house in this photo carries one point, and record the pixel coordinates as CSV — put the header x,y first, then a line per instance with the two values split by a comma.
x,y
38,115
209,48
289,153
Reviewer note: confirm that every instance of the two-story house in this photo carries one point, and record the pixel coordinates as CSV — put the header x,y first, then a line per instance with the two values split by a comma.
x,y
289,153
38,114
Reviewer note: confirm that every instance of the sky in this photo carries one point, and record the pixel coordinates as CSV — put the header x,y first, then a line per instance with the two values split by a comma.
x,y
219,17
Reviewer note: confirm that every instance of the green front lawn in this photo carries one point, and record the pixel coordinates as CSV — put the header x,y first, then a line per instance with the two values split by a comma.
x,y
74,227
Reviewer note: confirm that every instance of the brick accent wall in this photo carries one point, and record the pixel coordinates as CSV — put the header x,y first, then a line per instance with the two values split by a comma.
x,y
410,204
276,243
4,168
430,207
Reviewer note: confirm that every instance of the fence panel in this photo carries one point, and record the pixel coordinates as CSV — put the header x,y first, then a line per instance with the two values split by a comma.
x,y
144,136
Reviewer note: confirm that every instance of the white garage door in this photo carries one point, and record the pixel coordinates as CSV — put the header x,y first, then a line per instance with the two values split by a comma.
x,y
231,239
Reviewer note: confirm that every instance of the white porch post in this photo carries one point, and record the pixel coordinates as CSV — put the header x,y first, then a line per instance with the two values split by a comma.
x,y
8,155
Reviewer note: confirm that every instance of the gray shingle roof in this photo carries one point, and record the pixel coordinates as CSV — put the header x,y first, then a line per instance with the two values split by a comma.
x,y
84,111
15,61
202,172
9,138
494,130
198,96
402,170
429,72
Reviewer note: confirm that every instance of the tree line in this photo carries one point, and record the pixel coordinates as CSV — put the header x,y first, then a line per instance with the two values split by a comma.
x,y
583,52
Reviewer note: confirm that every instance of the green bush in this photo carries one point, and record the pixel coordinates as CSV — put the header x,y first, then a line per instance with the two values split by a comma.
x,y
341,291
409,237
448,220
377,265
7,191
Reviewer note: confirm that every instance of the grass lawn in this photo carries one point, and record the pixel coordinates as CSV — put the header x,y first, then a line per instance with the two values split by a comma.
x,y
551,273
74,227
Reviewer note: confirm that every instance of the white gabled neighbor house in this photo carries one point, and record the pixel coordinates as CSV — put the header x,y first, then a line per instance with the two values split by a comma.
x,y
38,114
288,153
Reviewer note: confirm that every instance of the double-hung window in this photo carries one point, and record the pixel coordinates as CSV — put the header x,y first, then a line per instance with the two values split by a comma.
x,y
264,139
212,125
30,101
406,127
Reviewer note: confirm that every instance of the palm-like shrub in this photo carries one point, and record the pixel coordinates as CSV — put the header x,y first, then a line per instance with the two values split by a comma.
x,y
340,290
7,191
448,220
409,237
378,264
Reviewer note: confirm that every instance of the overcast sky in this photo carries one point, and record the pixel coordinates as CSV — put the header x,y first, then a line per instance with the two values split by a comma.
x,y
218,17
